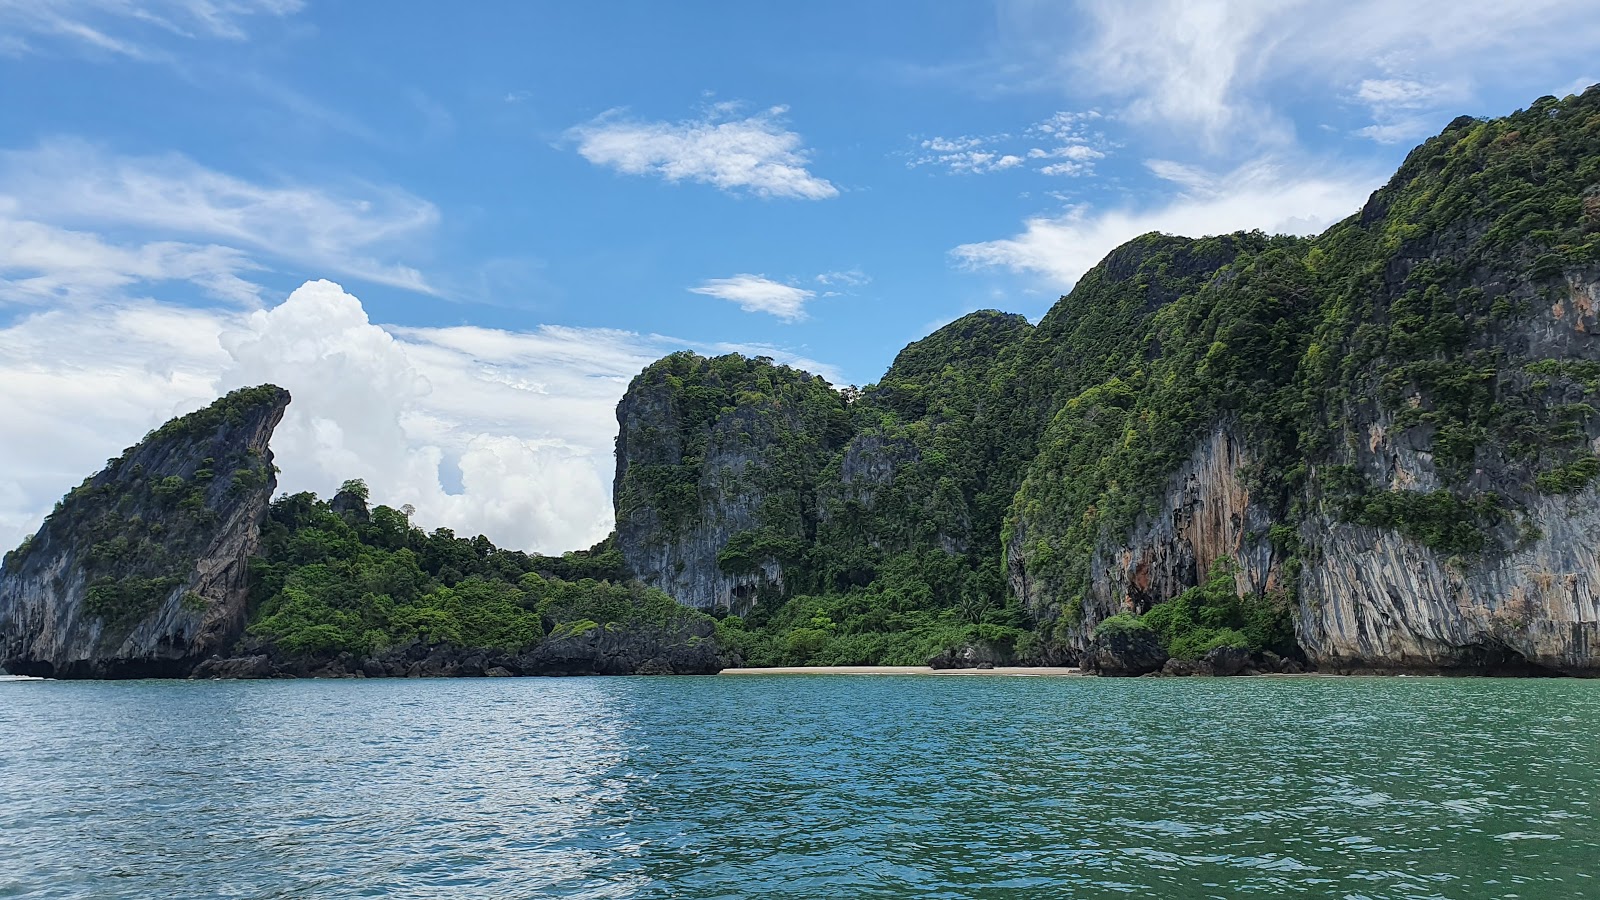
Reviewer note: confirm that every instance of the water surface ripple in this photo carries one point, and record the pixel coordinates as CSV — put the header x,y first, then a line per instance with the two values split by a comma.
x,y
803,787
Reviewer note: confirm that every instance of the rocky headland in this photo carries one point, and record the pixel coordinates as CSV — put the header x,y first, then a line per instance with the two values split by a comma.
x,y
1372,450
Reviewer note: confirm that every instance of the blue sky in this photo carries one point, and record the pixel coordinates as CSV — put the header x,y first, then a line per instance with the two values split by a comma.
x,y
520,204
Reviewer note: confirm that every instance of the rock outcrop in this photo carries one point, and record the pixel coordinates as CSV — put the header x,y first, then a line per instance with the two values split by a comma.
x,y
716,463
1124,653
142,570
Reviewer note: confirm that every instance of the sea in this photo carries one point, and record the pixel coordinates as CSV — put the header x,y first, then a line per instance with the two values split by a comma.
x,y
802,786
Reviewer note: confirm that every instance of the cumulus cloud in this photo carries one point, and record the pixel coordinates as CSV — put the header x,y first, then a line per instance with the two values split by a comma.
x,y
757,153
65,183
1060,145
504,433
758,293
1262,194
123,29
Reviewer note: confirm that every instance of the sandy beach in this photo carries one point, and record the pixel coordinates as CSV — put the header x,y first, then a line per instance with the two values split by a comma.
x,y
902,670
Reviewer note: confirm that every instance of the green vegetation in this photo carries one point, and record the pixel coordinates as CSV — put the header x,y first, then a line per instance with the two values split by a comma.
x,y
702,414
230,411
1211,615
327,582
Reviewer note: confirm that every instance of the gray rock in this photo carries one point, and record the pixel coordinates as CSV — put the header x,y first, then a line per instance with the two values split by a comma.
x,y
259,666
1227,660
976,655
1177,668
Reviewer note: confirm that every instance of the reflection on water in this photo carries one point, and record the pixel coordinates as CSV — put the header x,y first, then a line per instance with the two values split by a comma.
x,y
801,787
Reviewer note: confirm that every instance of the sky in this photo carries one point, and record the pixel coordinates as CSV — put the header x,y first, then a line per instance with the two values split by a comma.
x,y
455,231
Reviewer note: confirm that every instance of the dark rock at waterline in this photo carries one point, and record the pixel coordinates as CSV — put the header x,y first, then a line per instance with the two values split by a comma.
x,y
257,666
974,655
1179,668
1124,653
1227,660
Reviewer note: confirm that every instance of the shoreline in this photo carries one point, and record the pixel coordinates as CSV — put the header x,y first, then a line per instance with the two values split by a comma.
x,y
1024,671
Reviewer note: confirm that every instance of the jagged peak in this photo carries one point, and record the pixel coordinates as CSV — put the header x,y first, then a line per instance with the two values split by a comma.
x,y
230,409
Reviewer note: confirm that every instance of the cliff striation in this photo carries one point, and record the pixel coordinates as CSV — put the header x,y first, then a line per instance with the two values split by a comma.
x,y
142,570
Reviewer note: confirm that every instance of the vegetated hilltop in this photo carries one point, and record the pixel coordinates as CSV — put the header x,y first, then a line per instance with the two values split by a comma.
x,y
1374,449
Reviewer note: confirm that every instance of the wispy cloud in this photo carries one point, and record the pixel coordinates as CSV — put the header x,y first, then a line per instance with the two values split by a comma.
x,y
1217,71
127,28
41,263
1063,144
758,293
848,278
73,184
1262,194
1401,107
755,153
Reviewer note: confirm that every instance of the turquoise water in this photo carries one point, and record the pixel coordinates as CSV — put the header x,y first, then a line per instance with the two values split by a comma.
x,y
801,786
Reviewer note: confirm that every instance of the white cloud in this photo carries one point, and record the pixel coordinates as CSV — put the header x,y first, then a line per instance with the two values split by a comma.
x,y
124,28
849,278
1059,145
1218,69
42,264
509,434
1261,194
757,153
69,183
758,293
1401,107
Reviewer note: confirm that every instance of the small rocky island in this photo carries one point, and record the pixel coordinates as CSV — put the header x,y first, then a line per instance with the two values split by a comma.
x,y
1373,450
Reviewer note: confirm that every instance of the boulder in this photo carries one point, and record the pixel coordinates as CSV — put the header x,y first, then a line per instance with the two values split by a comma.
x,y
1124,653
972,655
1177,668
1227,660
236,667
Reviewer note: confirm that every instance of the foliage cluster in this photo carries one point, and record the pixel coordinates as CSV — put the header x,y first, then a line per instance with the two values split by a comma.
x,y
1210,615
330,582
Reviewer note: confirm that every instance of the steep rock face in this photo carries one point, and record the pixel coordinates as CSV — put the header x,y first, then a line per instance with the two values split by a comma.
x,y
1376,448
1412,425
1205,513
717,462
1376,599
142,569
926,468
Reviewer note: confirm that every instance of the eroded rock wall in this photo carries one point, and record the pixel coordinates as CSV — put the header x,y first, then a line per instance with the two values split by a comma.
x,y
142,571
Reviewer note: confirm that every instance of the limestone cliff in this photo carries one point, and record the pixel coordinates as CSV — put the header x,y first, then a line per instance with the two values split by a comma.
x,y
716,463
1375,598
1395,425
1372,449
142,570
